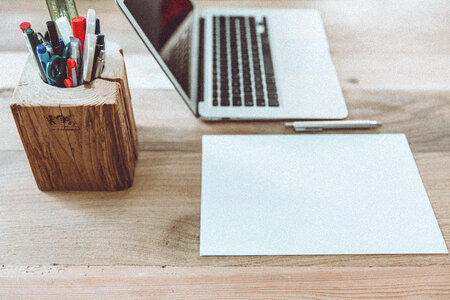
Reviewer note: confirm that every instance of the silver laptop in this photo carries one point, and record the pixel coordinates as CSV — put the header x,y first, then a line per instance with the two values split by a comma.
x,y
241,64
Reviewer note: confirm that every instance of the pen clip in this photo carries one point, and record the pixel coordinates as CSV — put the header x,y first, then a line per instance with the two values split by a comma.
x,y
303,129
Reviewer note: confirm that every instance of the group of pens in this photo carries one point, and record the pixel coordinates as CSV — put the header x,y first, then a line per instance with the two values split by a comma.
x,y
68,54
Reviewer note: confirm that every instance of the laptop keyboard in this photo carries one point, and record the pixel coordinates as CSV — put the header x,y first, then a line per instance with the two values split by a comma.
x,y
243,72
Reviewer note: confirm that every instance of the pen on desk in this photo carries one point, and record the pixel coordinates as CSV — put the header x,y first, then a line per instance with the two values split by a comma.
x,y
323,125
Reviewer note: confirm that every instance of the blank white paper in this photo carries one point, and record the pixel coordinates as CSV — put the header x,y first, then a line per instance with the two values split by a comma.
x,y
314,195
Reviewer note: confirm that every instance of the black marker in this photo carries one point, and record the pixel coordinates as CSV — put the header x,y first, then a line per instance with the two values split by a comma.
x,y
54,39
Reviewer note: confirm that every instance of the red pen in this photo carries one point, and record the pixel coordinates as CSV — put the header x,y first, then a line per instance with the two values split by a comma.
x,y
79,29
72,72
68,83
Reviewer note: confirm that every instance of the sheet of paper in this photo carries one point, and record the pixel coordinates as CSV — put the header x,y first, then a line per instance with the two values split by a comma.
x,y
314,194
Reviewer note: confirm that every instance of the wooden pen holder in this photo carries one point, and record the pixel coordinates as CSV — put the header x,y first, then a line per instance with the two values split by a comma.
x,y
81,138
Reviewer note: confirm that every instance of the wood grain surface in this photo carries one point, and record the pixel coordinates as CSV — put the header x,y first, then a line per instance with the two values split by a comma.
x,y
393,62
126,282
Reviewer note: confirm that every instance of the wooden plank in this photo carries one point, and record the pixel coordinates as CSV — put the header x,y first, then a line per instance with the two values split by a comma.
x,y
51,282
361,71
166,124
157,221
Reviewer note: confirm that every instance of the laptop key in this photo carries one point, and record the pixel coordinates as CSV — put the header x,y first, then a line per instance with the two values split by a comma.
x,y
237,101
248,100
260,102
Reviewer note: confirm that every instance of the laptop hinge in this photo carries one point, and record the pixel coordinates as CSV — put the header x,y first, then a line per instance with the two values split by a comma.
x,y
201,50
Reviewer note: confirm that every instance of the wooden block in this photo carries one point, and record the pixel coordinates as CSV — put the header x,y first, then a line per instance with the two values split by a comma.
x,y
81,138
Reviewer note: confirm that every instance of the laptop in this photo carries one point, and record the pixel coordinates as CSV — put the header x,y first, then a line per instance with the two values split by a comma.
x,y
241,63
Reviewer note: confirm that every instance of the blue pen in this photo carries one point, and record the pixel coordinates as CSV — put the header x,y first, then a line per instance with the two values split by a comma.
x,y
97,26
44,58
61,42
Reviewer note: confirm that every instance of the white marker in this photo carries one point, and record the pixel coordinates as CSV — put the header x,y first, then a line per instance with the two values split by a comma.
x,y
88,56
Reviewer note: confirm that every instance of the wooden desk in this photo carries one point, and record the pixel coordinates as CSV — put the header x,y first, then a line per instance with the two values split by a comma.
x,y
393,62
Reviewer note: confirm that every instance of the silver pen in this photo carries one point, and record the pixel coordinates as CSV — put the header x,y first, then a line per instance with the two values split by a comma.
x,y
100,64
322,125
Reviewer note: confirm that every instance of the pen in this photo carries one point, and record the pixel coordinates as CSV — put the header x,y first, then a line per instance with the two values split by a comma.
x,y
322,125
44,58
72,71
100,45
100,64
54,40
76,53
32,42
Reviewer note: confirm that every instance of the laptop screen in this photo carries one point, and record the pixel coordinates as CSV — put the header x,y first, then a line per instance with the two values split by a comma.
x,y
166,25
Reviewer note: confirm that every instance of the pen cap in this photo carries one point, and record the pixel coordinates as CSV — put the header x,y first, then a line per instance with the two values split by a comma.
x,y
79,29
30,39
41,49
24,26
97,26
64,28
68,83
71,63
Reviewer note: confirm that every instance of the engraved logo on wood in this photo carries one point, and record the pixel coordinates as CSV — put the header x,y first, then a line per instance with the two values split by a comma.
x,y
61,122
